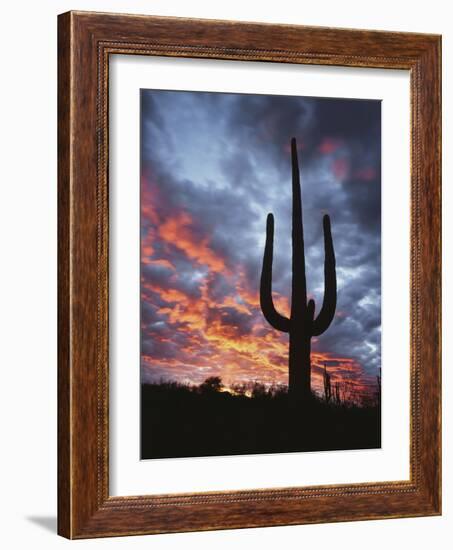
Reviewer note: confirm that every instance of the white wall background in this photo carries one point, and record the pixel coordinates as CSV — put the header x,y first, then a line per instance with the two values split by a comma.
x,y
28,125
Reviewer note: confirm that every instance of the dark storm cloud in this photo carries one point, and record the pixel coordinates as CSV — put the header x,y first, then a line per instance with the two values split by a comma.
x,y
230,317
219,286
223,160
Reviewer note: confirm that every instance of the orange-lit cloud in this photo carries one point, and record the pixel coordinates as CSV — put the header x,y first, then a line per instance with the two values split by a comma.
x,y
178,231
211,335
329,145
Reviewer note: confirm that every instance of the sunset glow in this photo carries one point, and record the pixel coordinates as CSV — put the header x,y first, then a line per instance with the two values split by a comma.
x,y
213,166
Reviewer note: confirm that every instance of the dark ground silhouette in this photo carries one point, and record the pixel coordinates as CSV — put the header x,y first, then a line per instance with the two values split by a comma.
x,y
186,421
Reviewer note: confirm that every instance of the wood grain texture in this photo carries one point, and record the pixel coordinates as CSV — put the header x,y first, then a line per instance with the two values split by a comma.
x,y
86,40
64,370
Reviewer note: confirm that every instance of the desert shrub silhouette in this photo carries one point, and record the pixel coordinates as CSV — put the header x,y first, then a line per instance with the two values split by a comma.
x,y
211,385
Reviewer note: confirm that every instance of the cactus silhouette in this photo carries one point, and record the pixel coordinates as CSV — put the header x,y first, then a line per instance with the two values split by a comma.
x,y
302,324
327,385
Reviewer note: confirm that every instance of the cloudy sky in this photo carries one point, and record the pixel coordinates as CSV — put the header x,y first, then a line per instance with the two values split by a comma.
x,y
212,167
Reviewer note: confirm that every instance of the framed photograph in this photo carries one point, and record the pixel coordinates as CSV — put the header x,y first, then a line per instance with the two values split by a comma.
x,y
249,275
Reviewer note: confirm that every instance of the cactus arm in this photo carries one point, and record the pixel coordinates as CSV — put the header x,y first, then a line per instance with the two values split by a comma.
x,y
279,322
326,315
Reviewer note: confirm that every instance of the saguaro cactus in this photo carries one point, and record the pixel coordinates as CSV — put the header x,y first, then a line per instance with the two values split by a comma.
x,y
302,324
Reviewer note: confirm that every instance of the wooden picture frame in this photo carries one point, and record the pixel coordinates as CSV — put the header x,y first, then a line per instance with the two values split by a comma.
x,y
85,42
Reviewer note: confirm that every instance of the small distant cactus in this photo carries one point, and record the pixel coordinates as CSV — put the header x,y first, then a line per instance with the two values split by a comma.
x,y
302,324
327,385
336,394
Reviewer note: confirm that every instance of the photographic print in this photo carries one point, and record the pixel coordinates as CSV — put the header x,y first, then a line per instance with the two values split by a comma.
x,y
250,225
260,274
